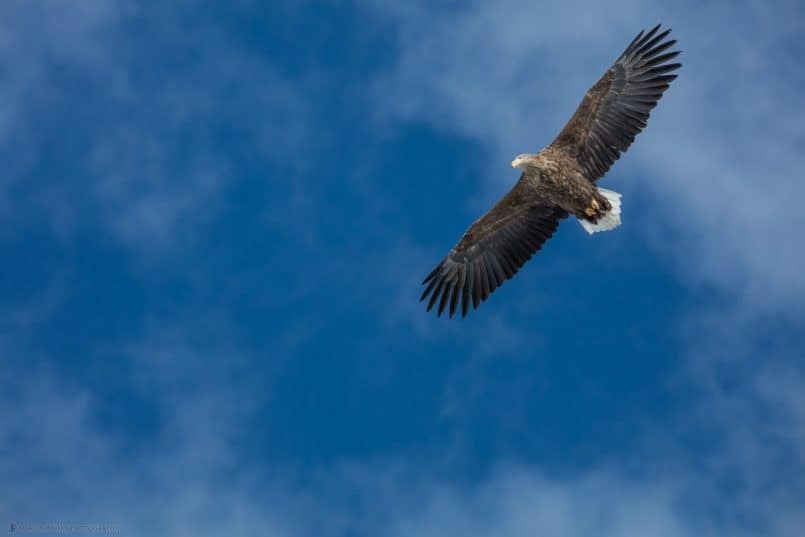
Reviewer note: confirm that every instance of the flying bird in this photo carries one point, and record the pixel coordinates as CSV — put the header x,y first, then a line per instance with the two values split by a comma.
x,y
559,180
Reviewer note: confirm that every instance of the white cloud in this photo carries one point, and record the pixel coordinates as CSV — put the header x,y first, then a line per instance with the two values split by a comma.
x,y
190,482
36,34
718,172
190,476
517,502
720,160
150,148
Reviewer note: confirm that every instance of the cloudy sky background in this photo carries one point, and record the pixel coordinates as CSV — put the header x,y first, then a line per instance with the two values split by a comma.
x,y
214,225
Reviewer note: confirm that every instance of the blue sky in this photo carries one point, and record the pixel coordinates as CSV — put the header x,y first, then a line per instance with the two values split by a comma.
x,y
215,222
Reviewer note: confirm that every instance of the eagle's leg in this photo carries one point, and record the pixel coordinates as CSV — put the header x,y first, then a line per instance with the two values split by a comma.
x,y
595,207
603,212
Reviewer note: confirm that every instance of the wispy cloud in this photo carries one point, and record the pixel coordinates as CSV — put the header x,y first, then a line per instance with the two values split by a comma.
x,y
160,159
187,482
190,475
37,35
720,159
715,183
146,151
190,481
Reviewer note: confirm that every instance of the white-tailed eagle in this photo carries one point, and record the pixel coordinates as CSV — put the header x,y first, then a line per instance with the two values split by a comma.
x,y
559,180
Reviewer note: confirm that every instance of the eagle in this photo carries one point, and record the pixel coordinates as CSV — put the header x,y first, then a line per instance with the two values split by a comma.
x,y
559,180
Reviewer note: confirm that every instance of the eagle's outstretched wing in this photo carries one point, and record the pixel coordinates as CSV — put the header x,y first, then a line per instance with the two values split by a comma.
x,y
492,250
617,107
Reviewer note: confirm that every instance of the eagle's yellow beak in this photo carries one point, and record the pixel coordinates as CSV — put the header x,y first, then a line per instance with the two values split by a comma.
x,y
514,163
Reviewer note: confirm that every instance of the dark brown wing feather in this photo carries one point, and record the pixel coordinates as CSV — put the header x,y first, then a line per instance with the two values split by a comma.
x,y
617,107
492,250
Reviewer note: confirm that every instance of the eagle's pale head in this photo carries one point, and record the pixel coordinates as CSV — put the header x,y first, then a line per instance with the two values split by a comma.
x,y
523,160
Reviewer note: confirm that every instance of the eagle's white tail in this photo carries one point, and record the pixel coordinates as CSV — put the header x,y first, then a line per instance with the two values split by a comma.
x,y
611,220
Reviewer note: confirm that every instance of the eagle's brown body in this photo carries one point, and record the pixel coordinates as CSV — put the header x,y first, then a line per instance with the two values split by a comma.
x,y
559,180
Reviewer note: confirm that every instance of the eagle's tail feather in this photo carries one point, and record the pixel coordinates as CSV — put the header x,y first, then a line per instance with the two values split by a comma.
x,y
611,220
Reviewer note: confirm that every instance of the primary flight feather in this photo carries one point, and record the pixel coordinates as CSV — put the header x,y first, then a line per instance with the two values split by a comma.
x,y
559,180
